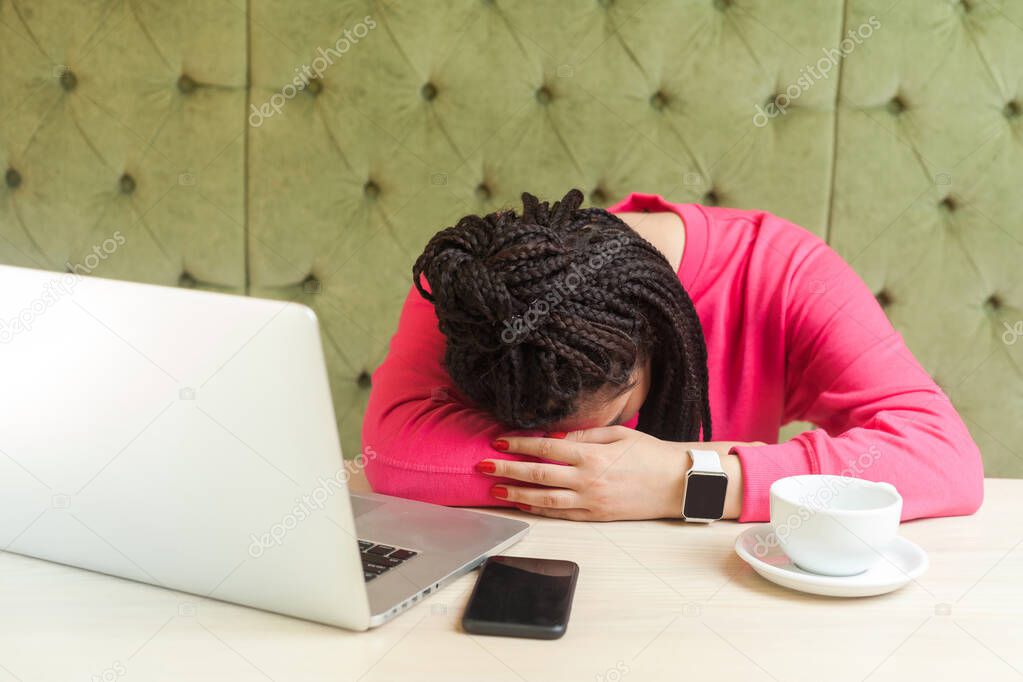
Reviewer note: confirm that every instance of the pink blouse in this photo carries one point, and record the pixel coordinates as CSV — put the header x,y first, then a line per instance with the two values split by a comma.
x,y
793,334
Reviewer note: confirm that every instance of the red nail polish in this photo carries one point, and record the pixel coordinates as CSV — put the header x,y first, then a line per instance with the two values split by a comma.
x,y
486,467
499,444
499,491
557,434
523,507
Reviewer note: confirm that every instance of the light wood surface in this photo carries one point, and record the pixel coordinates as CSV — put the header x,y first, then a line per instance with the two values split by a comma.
x,y
655,601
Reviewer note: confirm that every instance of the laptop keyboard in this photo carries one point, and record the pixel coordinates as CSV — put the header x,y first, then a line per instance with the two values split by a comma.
x,y
378,559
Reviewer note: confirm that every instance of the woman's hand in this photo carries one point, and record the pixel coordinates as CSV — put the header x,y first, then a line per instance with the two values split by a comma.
x,y
609,473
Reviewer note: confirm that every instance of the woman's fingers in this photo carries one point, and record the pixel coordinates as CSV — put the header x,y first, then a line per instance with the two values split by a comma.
x,y
554,449
567,448
600,434
549,498
549,475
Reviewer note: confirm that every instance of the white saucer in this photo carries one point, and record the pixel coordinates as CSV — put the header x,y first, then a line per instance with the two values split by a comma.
x,y
900,562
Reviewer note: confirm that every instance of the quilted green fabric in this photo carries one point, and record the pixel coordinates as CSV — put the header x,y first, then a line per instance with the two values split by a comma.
x,y
927,204
124,118
308,150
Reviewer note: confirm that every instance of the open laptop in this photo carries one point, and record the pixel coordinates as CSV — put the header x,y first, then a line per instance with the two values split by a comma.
x,y
188,439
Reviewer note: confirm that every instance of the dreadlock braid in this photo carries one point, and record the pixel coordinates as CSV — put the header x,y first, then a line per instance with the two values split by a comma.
x,y
543,309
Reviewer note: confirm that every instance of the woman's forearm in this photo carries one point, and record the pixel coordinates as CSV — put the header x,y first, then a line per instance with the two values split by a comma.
x,y
733,496
675,476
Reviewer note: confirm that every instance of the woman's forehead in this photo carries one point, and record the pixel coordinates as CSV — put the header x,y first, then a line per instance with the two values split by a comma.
x,y
597,410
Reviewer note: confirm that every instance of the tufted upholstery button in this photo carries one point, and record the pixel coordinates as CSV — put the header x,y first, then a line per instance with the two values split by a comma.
x,y
949,204
185,279
364,380
186,84
598,196
371,189
483,192
722,5
68,80
606,4
314,86
993,303
310,284
543,95
659,100
896,105
428,91
711,198
884,299
965,5
127,184
1013,109
13,178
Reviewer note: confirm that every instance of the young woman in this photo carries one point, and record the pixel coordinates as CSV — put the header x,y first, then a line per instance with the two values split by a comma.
x,y
566,361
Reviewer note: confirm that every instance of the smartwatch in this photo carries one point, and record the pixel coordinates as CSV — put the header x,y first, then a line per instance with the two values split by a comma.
x,y
703,499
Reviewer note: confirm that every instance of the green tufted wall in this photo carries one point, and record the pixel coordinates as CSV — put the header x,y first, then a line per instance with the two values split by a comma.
x,y
155,119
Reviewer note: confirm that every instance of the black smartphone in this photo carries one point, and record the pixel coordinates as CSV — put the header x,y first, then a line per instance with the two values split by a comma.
x,y
522,597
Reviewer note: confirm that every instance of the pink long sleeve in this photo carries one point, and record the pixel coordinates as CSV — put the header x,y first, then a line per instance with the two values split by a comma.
x,y
881,416
792,334
427,442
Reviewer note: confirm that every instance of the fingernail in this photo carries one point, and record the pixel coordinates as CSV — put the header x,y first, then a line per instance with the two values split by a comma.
x,y
557,434
523,507
499,444
499,491
486,467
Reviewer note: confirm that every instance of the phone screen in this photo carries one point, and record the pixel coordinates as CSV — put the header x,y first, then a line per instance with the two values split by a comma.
x,y
522,597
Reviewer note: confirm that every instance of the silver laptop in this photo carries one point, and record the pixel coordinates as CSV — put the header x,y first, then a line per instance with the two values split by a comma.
x,y
188,440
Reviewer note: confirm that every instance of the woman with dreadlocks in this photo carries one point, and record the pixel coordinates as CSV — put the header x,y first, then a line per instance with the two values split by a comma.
x,y
578,363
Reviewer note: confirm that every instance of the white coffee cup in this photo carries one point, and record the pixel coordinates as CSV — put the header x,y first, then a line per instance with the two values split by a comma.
x,y
834,525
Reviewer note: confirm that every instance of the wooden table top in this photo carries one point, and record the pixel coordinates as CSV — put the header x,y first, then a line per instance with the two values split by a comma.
x,y
656,600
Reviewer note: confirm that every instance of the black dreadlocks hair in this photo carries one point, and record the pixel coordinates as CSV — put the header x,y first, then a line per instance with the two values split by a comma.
x,y
543,310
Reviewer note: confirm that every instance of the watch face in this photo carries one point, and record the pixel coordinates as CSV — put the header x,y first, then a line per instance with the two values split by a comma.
x,y
705,496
